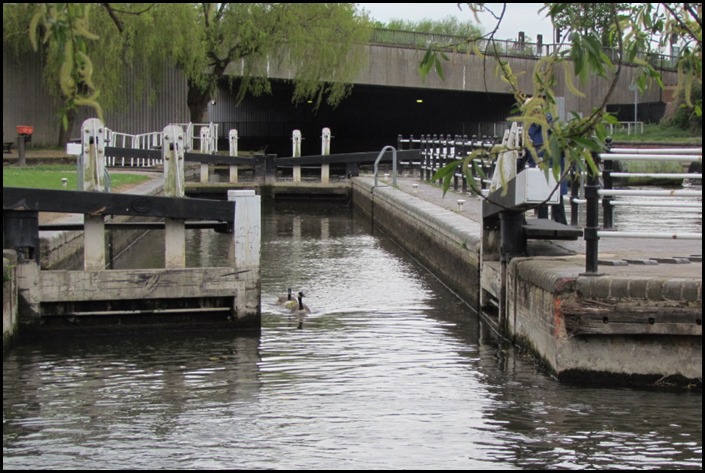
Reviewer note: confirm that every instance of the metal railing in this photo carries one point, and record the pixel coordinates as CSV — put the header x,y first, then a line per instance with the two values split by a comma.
x,y
630,128
394,163
205,135
599,190
438,151
416,40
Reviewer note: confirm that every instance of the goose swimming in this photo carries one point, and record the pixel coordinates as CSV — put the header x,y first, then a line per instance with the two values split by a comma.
x,y
282,300
300,308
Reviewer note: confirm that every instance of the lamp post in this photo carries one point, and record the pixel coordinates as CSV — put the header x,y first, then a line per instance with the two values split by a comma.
x,y
634,88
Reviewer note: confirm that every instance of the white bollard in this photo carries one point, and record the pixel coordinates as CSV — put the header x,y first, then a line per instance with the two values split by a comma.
x,y
325,151
93,155
93,140
296,153
233,140
460,204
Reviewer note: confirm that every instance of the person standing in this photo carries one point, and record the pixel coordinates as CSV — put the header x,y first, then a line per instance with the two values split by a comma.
x,y
536,138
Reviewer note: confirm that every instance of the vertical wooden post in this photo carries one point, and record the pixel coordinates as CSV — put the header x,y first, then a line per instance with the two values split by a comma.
x,y
204,173
93,140
205,149
325,151
93,155
232,139
296,153
175,229
245,250
21,156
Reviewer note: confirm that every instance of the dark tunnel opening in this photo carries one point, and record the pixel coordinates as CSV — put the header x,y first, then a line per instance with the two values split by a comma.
x,y
369,119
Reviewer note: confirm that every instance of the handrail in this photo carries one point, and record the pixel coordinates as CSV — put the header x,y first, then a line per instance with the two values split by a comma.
x,y
597,193
394,164
502,47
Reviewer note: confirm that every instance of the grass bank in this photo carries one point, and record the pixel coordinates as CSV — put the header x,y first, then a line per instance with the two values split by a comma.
x,y
659,134
51,176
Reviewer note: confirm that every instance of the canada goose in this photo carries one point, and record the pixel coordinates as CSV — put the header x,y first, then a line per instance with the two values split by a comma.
x,y
282,300
300,308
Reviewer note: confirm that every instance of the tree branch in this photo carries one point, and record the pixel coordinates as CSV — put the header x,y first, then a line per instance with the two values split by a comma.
x,y
682,24
113,16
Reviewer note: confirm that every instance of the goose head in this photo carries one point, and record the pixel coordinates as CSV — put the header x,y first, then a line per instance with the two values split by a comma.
x,y
300,308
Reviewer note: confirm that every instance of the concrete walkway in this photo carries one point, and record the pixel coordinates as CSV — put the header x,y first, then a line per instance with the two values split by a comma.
x,y
573,252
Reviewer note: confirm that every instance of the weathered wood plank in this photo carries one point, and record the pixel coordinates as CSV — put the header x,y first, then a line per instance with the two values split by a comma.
x,y
620,319
105,203
60,286
219,159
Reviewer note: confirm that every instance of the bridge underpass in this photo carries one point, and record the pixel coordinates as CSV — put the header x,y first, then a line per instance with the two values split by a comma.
x,y
367,120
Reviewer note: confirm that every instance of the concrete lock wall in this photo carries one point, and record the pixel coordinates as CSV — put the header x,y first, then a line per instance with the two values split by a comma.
x,y
653,336
9,298
447,245
538,291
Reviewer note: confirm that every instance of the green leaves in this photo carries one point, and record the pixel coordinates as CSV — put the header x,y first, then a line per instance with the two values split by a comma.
x,y
66,25
432,61
471,166
446,174
635,35
588,57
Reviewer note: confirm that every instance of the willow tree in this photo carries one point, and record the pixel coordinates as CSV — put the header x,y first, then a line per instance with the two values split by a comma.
x,y
635,29
319,44
88,50
586,18
85,48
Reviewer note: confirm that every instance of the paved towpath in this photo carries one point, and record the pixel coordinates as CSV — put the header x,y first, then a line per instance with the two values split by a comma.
x,y
632,249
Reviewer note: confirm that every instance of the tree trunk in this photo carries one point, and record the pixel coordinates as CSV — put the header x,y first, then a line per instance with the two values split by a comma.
x,y
65,133
197,101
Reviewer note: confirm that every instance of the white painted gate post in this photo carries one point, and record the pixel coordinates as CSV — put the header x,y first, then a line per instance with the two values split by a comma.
x,y
245,250
232,139
175,229
93,137
205,149
296,153
325,151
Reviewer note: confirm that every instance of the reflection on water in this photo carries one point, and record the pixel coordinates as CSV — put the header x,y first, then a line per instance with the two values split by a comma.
x,y
640,215
682,219
389,371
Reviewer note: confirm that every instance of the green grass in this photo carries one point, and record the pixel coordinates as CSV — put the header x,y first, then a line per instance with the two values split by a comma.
x,y
651,167
660,134
50,177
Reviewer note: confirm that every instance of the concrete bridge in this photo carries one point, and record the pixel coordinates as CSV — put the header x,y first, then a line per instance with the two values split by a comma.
x,y
390,97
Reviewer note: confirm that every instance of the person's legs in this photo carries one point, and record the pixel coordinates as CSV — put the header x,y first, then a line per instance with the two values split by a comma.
x,y
558,212
543,211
